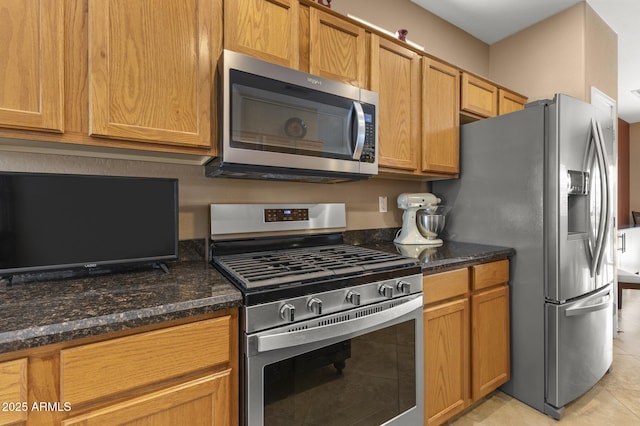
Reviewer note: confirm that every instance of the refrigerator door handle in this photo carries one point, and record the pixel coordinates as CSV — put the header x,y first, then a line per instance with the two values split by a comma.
x,y
595,157
581,309
605,209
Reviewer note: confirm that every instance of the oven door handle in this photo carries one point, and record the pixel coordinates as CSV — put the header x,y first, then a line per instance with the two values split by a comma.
x,y
339,329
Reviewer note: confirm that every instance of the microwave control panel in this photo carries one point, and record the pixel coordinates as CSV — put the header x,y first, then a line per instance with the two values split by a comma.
x,y
369,148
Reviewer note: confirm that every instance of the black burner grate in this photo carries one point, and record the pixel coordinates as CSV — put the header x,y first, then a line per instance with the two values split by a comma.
x,y
303,264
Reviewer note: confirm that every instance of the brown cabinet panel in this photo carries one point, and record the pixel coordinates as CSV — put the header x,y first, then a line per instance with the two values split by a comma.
x,y
446,360
445,285
478,96
13,392
395,76
102,369
204,401
490,353
441,117
266,29
32,64
337,48
151,73
490,274
509,102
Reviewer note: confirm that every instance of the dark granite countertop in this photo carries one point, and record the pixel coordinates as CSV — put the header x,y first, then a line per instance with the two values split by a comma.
x,y
45,311
450,255
42,312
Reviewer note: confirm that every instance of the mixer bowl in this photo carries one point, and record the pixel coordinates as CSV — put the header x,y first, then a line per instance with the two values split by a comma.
x,y
429,225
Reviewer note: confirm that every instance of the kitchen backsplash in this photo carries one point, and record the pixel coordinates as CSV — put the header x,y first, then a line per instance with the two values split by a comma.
x,y
197,191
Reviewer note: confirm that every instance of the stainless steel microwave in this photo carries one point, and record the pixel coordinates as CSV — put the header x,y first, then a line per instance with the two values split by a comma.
x,y
280,123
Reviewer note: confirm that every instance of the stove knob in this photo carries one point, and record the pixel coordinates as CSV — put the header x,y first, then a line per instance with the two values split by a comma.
x,y
353,297
386,290
315,305
404,287
287,312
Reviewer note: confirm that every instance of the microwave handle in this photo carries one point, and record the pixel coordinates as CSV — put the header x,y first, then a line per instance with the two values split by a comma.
x,y
356,110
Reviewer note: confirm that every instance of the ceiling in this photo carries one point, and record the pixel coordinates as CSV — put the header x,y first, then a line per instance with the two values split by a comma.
x,y
493,20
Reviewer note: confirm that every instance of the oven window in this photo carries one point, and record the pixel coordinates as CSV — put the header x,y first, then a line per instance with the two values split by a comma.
x,y
366,380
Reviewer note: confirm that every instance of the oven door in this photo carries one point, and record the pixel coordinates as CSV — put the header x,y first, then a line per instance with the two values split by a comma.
x,y
360,367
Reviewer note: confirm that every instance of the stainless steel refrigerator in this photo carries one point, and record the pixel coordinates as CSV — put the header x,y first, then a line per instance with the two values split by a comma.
x,y
542,180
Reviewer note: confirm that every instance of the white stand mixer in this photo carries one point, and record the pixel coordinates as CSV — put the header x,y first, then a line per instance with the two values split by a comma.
x,y
411,203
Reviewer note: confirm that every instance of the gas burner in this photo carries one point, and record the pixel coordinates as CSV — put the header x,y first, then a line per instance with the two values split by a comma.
x,y
272,268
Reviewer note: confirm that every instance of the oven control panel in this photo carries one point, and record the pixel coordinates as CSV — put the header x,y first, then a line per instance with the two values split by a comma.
x,y
297,309
242,219
285,215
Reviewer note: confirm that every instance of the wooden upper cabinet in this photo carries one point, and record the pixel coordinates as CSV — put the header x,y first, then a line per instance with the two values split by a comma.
x,y
266,29
32,64
441,117
337,48
509,101
395,76
478,97
151,70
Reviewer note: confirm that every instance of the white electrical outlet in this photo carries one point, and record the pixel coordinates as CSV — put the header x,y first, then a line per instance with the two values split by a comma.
x,y
382,204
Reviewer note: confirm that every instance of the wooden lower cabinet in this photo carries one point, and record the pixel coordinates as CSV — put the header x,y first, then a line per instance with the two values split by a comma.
x,y
184,372
466,338
204,401
13,392
446,360
489,340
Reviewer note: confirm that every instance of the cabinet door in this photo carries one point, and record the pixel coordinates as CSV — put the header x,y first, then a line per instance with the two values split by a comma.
x,y
509,101
31,64
441,117
446,360
151,70
13,392
204,401
337,48
266,29
490,353
478,97
395,76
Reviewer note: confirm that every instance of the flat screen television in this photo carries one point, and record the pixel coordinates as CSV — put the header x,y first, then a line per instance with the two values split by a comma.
x,y
61,221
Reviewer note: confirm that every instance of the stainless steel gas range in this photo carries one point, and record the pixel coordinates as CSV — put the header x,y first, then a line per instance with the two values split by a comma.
x,y
331,333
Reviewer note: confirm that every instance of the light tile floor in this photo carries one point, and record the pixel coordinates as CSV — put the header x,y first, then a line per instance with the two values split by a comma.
x,y
615,400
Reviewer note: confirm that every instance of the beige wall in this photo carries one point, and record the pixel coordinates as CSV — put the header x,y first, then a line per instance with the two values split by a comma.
x,y
568,53
536,62
634,170
197,191
439,37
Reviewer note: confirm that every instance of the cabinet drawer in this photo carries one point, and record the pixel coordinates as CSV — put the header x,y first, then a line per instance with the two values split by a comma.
x,y
13,391
490,274
445,285
106,368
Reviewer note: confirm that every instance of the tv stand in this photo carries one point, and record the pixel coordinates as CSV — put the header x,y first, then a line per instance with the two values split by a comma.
x,y
160,265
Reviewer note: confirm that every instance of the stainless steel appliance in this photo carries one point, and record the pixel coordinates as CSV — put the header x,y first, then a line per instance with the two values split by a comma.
x,y
280,123
542,180
331,333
